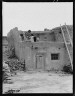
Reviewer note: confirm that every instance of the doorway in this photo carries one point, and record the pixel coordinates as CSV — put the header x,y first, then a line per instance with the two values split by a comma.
x,y
40,61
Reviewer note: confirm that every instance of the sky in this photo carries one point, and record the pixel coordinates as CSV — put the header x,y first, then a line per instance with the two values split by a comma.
x,y
36,16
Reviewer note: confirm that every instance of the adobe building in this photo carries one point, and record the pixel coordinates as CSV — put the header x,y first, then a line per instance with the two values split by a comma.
x,y
41,50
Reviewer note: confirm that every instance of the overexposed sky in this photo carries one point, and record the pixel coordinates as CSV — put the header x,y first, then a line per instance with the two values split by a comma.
x,y
36,16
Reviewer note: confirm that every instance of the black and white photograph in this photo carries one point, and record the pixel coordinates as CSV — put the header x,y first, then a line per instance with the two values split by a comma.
x,y
37,47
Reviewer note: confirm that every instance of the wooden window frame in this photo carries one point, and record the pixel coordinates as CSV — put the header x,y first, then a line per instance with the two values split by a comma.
x,y
55,56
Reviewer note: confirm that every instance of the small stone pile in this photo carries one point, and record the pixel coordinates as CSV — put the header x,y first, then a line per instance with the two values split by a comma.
x,y
10,67
15,65
11,64
5,55
6,71
12,91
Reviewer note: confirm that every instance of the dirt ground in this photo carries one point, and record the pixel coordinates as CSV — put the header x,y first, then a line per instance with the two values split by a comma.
x,y
40,82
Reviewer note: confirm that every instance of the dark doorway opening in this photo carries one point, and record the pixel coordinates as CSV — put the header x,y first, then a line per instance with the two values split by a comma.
x,y
34,39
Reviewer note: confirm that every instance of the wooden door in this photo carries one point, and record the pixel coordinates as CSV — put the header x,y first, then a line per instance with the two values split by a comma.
x,y
40,62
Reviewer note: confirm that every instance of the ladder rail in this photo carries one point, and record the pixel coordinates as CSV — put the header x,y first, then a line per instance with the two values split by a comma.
x,y
67,48
69,35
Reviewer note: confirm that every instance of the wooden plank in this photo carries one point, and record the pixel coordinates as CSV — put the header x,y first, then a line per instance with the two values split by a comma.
x,y
69,35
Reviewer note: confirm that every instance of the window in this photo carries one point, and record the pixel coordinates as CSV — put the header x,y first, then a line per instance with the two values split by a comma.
x,y
45,37
34,39
36,47
5,46
60,32
55,56
22,36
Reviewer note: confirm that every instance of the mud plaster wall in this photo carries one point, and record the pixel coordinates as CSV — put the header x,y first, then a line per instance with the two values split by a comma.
x,y
14,41
30,57
30,65
26,53
55,64
66,57
46,37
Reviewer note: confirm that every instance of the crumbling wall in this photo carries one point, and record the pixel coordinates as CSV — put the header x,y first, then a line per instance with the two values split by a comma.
x,y
14,40
11,40
58,33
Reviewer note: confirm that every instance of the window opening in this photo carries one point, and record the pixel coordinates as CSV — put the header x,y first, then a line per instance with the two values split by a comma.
x,y
59,31
45,37
55,56
34,39
22,36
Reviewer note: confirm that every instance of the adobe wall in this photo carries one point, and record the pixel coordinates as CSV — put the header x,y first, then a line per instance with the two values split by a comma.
x,y
55,64
47,37
29,56
14,39
26,52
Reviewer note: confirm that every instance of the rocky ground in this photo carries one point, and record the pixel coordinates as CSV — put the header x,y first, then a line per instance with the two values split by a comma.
x,y
39,82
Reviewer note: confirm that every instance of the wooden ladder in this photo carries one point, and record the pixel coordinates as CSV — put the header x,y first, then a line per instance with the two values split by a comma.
x,y
70,44
69,35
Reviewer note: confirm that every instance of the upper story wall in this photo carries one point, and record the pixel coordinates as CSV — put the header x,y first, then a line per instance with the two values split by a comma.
x,y
16,36
45,36
54,35
58,33
51,36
